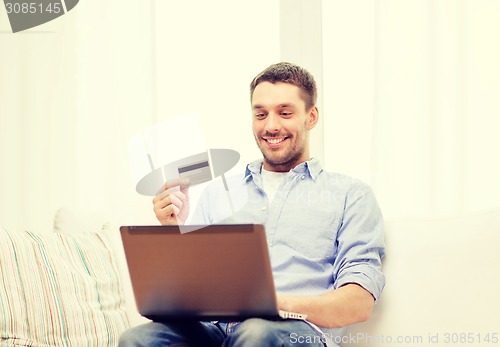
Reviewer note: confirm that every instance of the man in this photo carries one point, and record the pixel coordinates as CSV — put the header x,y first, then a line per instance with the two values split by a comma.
x,y
324,230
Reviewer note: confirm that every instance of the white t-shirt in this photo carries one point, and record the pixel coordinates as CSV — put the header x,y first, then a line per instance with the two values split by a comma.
x,y
271,181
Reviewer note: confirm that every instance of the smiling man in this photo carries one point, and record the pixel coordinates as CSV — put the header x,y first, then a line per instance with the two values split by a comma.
x,y
282,118
324,230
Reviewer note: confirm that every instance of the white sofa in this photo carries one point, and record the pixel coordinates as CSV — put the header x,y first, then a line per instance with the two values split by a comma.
x,y
71,287
443,282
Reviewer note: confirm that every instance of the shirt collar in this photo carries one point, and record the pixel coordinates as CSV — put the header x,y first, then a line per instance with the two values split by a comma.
x,y
311,168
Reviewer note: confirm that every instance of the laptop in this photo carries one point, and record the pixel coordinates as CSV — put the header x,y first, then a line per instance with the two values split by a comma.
x,y
206,273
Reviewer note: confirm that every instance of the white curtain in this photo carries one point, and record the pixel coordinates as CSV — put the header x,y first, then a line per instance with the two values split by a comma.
x,y
76,90
72,94
411,102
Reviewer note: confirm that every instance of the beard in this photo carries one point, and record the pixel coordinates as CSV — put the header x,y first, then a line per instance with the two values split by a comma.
x,y
284,161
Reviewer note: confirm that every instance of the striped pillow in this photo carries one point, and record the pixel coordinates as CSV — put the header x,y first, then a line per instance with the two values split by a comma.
x,y
59,290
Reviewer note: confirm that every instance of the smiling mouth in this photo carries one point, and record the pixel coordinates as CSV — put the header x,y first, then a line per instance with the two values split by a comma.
x,y
274,140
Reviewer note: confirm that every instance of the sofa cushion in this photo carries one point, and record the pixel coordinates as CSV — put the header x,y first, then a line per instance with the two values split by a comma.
x,y
59,290
71,220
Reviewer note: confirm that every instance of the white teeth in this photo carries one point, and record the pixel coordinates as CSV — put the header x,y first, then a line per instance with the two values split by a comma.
x,y
274,141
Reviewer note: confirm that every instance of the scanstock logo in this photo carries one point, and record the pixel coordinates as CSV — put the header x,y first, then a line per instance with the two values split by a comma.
x,y
26,14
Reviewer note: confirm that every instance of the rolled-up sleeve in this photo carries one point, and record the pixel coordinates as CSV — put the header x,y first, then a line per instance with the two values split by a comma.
x,y
360,242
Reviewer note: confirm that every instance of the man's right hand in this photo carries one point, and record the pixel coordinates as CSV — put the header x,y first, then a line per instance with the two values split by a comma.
x,y
171,203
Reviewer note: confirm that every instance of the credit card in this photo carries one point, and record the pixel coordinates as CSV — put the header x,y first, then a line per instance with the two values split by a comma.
x,y
197,172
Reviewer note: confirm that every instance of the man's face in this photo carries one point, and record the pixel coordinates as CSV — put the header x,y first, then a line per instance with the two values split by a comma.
x,y
281,125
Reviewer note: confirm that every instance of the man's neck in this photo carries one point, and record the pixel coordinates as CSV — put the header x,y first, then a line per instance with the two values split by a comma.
x,y
286,167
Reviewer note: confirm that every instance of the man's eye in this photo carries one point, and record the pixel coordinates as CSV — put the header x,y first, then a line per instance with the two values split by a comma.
x,y
260,115
286,114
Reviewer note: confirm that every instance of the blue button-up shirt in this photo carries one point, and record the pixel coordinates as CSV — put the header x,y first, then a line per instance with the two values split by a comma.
x,y
324,230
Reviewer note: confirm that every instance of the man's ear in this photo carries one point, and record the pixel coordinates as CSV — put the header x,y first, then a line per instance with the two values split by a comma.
x,y
313,117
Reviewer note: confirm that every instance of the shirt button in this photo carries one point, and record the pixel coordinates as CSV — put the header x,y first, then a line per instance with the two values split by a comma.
x,y
302,177
263,208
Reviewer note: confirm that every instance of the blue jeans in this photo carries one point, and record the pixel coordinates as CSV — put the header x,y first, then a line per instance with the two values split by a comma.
x,y
254,332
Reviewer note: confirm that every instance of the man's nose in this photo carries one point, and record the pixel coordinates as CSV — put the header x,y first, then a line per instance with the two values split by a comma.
x,y
273,124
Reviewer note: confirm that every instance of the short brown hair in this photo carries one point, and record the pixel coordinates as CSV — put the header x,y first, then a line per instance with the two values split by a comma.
x,y
289,73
